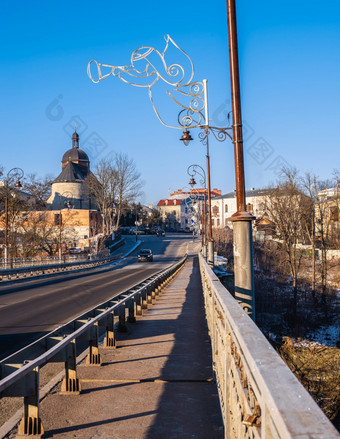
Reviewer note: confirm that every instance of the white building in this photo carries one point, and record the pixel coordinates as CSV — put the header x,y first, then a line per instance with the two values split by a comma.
x,y
224,207
182,210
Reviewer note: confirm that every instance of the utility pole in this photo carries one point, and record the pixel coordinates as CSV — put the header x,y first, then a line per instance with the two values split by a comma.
x,y
242,220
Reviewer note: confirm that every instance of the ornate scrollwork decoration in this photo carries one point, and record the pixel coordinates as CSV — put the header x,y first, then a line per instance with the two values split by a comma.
x,y
203,136
220,134
148,66
194,170
189,118
14,175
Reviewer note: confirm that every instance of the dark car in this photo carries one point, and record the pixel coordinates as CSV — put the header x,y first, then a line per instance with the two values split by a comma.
x,y
160,233
145,255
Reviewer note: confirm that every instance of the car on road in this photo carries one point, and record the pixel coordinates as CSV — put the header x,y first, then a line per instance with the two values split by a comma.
x,y
160,233
145,255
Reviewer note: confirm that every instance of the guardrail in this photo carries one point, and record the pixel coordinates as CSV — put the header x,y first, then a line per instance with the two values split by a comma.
x,y
32,266
259,395
35,261
20,372
21,273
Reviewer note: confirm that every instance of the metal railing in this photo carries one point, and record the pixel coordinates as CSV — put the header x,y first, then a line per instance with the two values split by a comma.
x,y
259,395
19,373
39,270
13,263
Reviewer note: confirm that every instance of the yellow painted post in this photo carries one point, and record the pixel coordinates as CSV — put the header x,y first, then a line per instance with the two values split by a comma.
x,y
70,384
31,425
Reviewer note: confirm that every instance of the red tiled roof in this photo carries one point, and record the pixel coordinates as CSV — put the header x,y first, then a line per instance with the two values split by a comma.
x,y
170,202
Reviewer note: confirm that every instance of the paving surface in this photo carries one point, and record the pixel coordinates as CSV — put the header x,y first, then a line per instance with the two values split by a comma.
x,y
156,384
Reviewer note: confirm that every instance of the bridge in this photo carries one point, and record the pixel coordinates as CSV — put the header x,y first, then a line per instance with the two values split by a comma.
x,y
129,350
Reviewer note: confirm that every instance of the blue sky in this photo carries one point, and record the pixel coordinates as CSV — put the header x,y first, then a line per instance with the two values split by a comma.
x,y
289,66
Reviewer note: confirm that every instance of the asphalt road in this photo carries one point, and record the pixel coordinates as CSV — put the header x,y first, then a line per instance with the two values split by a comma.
x,y
36,307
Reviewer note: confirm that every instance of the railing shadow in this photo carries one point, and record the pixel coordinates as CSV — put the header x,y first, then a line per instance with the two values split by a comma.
x,y
189,405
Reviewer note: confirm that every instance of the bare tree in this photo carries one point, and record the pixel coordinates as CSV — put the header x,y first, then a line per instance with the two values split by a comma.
x,y
288,208
39,188
325,217
103,187
114,185
129,181
309,183
12,205
41,232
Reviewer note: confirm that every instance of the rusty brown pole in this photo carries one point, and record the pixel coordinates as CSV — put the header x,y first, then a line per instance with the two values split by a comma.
x,y
242,220
6,230
236,107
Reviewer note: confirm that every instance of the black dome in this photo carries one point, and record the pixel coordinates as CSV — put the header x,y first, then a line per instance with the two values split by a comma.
x,y
75,155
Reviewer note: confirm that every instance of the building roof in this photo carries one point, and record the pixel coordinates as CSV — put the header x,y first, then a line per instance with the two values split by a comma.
x,y
70,173
179,201
75,154
180,192
170,202
251,193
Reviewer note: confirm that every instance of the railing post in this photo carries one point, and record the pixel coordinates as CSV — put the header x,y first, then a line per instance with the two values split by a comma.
x,y
131,307
149,295
31,425
70,384
145,298
110,339
121,322
153,291
139,301
93,358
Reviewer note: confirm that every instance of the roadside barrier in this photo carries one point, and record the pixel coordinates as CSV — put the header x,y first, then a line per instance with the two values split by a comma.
x,y
10,274
19,372
259,395
14,273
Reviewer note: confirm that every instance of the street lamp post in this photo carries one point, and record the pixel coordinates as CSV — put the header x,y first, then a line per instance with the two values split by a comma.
x,y
194,170
143,73
14,174
136,220
242,220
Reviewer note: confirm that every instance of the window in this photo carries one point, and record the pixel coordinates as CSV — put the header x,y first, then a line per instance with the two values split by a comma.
x,y
218,222
334,211
212,221
215,210
58,219
226,208
250,207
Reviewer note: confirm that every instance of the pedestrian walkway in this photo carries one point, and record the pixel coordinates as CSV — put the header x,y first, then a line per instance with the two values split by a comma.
x,y
158,383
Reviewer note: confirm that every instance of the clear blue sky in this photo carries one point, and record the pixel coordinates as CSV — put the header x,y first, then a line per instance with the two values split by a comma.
x,y
290,85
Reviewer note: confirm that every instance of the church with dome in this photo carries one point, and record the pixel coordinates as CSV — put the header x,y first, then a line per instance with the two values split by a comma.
x,y
70,205
70,185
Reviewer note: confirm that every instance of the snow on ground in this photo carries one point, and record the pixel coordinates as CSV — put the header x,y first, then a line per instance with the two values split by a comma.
x,y
326,335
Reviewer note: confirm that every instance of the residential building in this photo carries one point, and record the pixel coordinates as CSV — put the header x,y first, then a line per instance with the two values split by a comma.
x,y
182,210
224,206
